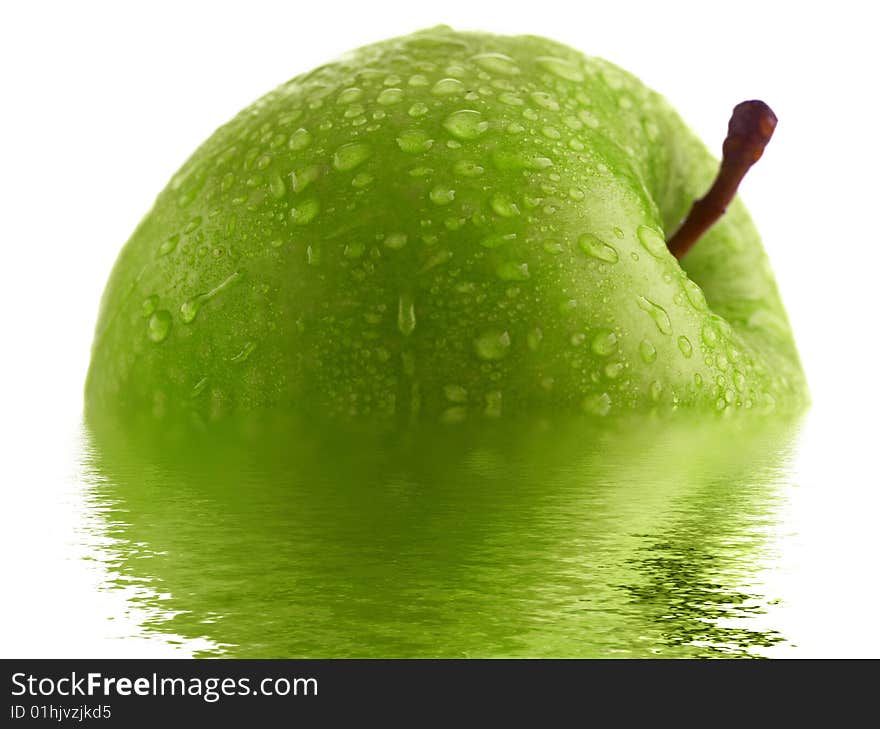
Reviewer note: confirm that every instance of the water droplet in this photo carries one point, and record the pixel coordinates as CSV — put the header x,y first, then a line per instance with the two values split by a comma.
x,y
149,305
406,314
539,163
510,99
453,415
349,156
577,339
604,342
437,259
361,180
199,387
553,247
597,404
301,179
305,212
652,241
647,351
355,111
466,168
277,186
390,96
349,96
560,67
466,124
492,345
496,63
395,241
441,195
300,139
448,87
656,391
159,326
245,352
684,344
613,370
709,335
657,313
418,80
353,251
418,109
413,141
190,308
504,206
597,248
544,100
494,241
694,294
168,245
510,271
455,393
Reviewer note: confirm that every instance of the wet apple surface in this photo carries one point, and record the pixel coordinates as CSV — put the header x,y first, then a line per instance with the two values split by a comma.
x,y
444,227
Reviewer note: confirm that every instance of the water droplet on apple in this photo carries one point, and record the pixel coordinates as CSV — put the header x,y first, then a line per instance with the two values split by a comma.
x,y
684,344
567,70
246,351
441,195
168,245
504,206
448,87
597,248
694,294
657,313
305,212
466,124
597,404
277,187
492,345
149,305
709,335
604,342
390,96
455,393
510,99
313,255
406,314
510,271
648,352
349,96
353,251
362,180
466,168
395,241
414,141
614,369
349,156
496,63
652,241
159,326
299,140
199,387
418,109
494,241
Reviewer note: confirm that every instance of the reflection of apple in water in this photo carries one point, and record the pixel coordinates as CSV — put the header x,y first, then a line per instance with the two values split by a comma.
x,y
579,539
454,226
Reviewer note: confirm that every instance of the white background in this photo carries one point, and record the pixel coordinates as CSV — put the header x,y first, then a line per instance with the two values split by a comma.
x,y
101,102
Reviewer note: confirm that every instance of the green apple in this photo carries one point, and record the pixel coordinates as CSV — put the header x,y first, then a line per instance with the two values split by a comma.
x,y
443,227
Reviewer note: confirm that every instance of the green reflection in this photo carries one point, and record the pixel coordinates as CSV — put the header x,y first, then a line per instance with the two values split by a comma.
x,y
638,538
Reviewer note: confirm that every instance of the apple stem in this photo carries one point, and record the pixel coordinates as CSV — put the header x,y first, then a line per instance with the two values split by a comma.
x,y
750,128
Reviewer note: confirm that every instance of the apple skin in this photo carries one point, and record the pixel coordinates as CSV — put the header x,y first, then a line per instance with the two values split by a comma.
x,y
443,227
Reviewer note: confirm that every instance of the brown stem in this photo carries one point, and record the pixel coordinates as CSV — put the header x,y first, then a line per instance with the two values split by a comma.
x,y
750,128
